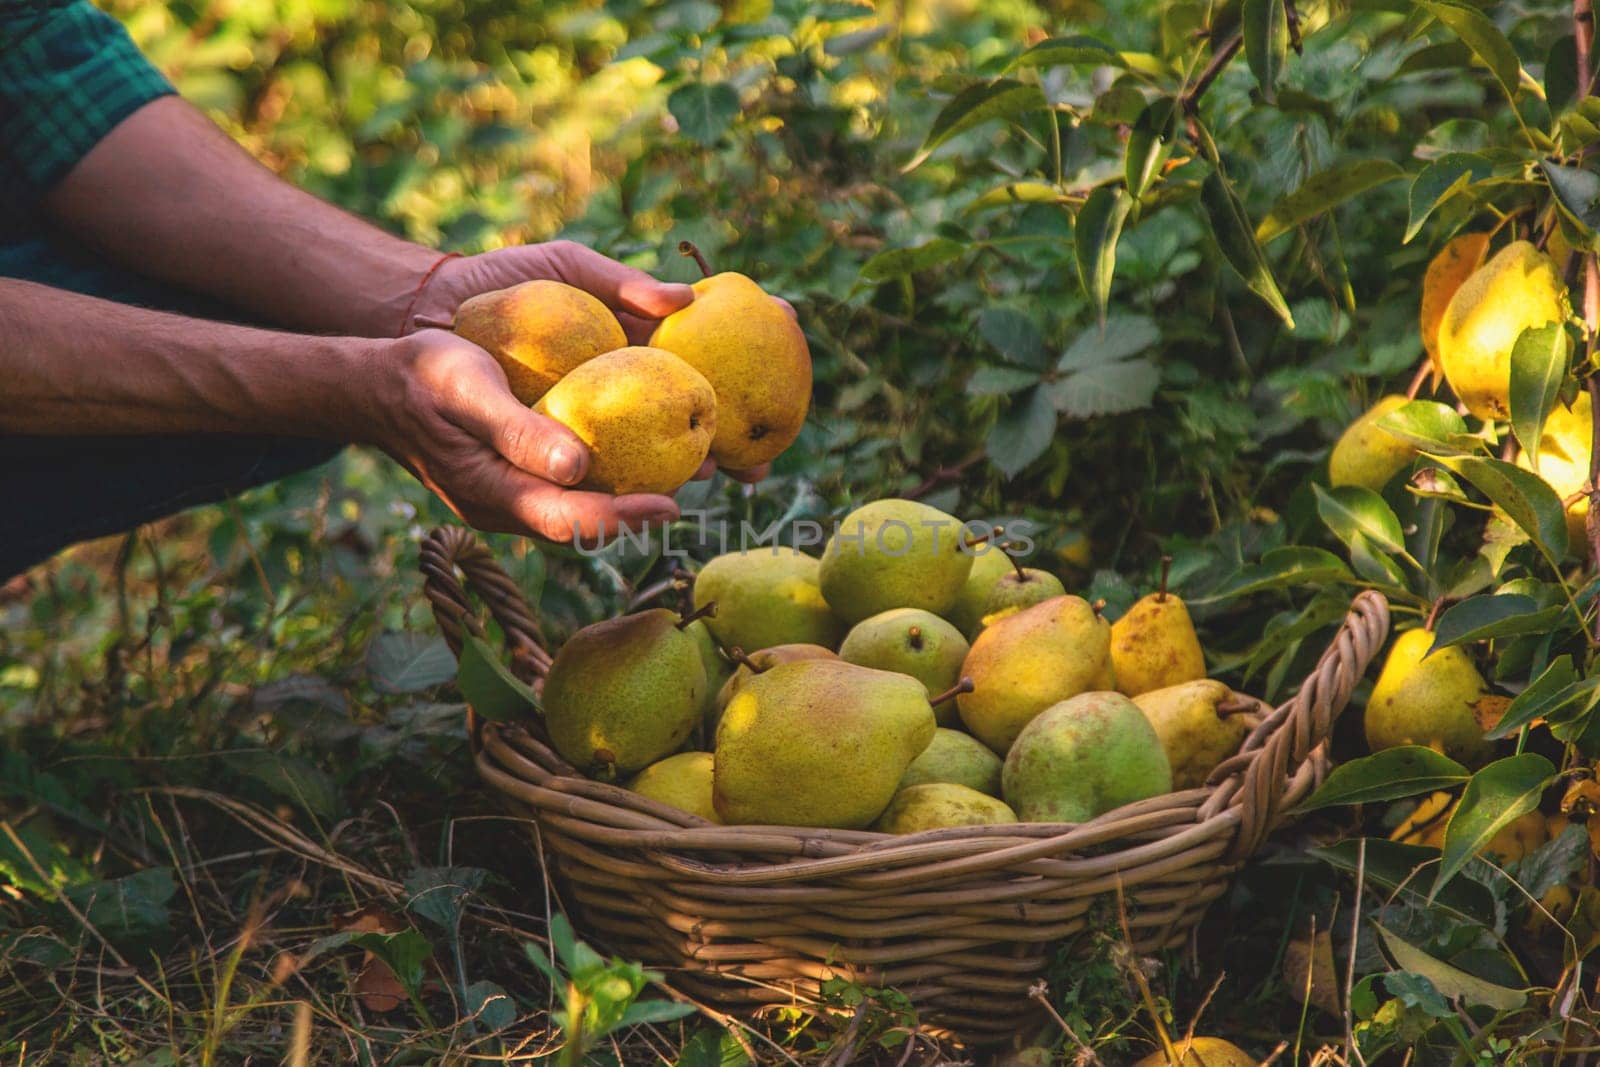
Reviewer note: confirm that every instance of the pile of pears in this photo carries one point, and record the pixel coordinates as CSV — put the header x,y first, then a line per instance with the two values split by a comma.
x,y
907,680
728,376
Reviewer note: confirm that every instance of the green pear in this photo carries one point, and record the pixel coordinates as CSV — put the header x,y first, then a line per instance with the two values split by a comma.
x,y
1423,699
1196,735
1154,645
765,597
625,692
683,781
718,667
936,805
957,758
1082,758
910,641
818,742
761,661
1022,588
894,554
990,563
1368,455
1025,662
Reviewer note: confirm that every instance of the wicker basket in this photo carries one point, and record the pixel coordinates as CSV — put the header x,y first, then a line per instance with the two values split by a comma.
x,y
962,920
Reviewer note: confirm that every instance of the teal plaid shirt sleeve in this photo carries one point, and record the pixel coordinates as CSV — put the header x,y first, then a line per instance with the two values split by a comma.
x,y
68,75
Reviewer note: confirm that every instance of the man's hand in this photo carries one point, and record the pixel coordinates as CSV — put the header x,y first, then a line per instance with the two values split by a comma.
x,y
639,301
445,412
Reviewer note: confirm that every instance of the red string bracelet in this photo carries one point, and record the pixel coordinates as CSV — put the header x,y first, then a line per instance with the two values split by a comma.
x,y
405,322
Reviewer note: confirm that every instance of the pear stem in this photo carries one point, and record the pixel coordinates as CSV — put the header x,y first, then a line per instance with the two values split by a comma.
x,y
915,634
683,585
1016,564
974,542
963,686
1166,571
708,609
739,656
1099,606
1433,612
428,322
688,248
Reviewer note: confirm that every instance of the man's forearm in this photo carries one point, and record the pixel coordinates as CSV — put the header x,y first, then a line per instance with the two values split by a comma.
x,y
169,195
73,364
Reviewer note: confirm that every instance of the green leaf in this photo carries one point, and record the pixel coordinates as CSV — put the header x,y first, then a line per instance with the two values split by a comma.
x,y
1480,618
654,1011
712,1048
1578,193
1014,334
1387,775
1545,695
1496,796
1265,25
290,777
1017,193
703,110
437,893
131,910
1561,73
1022,433
489,686
1150,141
1235,238
1439,181
1120,337
1525,497
1352,511
1396,867
1485,40
1450,981
1429,424
899,262
407,953
1098,228
408,662
1105,389
1291,565
1553,862
491,1005
1069,51
1538,367
1003,98
1324,190
999,381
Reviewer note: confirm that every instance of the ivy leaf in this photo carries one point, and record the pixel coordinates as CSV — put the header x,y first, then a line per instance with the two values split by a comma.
x,y
1538,367
1447,980
1236,240
1022,433
1354,511
1387,775
703,110
1002,98
1095,237
899,262
489,686
1438,182
1495,797
1323,190
1265,25
1525,497
1481,35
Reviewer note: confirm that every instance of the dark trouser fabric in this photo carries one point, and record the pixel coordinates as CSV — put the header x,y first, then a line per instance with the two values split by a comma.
x,y
56,491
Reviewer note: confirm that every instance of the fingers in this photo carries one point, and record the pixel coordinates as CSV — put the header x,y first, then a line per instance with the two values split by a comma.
x,y
750,475
482,405
622,287
531,506
707,469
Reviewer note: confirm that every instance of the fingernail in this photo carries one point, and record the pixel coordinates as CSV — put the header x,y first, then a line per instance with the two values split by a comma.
x,y
566,464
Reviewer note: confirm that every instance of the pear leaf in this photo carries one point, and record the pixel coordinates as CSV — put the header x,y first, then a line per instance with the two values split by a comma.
x,y
489,686
1480,618
1387,775
1324,190
1578,194
1265,26
1353,510
1076,50
1544,696
1002,98
1150,142
1438,182
1481,35
1450,981
899,262
1526,498
1495,797
1236,240
1095,236
1430,425
1538,367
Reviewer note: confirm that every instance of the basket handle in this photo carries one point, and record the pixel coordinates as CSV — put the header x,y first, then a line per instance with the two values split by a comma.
x,y
1283,758
450,548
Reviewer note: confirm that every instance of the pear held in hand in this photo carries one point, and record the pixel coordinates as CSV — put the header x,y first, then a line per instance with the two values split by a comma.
x,y
766,596
894,554
1154,645
756,358
1518,289
539,332
910,641
818,743
1026,662
1422,699
646,415
1368,455
1082,758
938,805
683,781
625,692
1195,729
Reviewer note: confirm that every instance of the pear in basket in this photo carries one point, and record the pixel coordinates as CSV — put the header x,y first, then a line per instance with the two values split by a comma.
x,y
910,641
752,665
989,564
1025,662
818,742
957,758
1022,587
894,554
766,596
1154,645
1082,758
1196,731
937,805
625,692
683,781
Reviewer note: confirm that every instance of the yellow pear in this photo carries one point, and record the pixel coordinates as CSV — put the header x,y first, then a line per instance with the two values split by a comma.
x,y
1026,662
761,661
1202,1052
1564,451
538,332
958,758
1196,735
756,359
818,742
990,563
936,805
1154,645
625,692
1428,823
766,596
1517,289
683,781
1445,274
1426,701
1368,455
646,415
894,554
